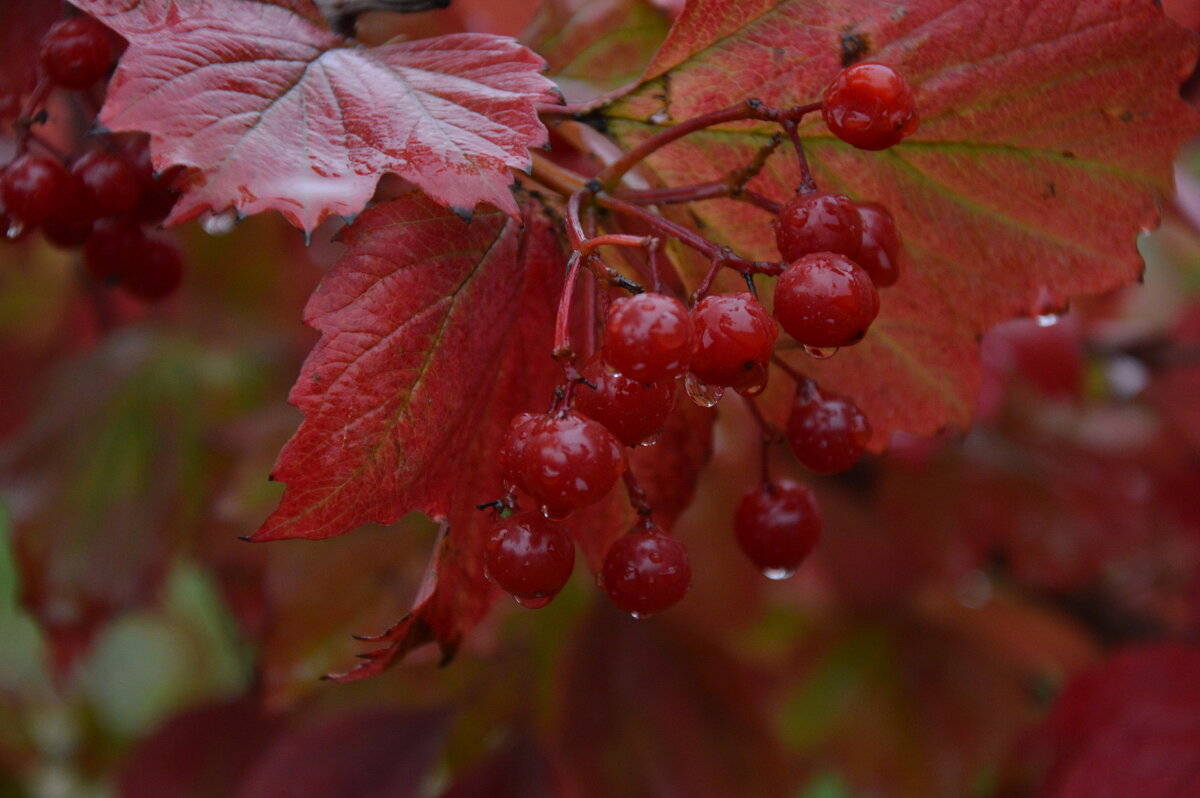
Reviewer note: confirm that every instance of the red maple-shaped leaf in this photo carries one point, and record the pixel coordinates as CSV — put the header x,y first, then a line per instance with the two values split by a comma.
x,y
1047,135
272,111
435,333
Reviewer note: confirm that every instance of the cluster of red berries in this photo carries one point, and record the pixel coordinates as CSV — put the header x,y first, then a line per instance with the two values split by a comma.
x,y
570,459
838,253
102,197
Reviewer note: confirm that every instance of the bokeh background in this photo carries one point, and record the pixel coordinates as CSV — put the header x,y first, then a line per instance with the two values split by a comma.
x,y
1010,610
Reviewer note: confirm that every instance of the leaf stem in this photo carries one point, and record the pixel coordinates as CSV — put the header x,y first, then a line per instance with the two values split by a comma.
x,y
752,109
807,183
709,249
30,116
562,320
638,498
768,434
590,245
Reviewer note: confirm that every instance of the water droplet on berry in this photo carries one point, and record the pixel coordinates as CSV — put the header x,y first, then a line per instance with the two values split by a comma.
x,y
15,230
820,352
639,616
1047,319
702,393
533,602
653,439
757,386
219,224
779,574
660,117
554,514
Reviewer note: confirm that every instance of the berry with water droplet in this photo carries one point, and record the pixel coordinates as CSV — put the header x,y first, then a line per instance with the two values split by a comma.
x,y
568,462
734,341
827,432
879,255
529,556
825,300
631,410
817,222
777,525
34,188
701,393
648,337
512,449
870,106
646,572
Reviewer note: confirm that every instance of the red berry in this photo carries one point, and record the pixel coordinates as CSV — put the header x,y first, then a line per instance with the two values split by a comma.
x,y
870,106
879,254
645,572
113,244
34,188
826,300
827,432
569,462
156,199
513,448
648,337
777,526
734,341
112,185
818,222
156,273
76,52
530,557
631,410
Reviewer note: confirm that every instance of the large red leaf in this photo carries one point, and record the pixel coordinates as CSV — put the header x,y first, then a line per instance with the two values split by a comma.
x,y
435,333
599,44
1131,727
274,111
1047,135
